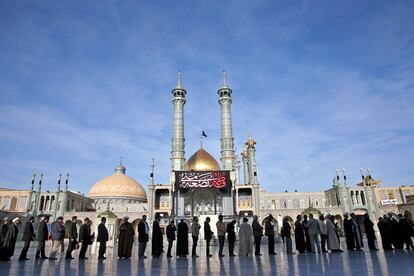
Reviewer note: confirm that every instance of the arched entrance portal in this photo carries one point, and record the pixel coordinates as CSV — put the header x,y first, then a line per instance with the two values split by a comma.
x,y
203,201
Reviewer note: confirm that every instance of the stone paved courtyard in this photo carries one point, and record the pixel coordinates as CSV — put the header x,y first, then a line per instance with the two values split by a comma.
x,y
356,263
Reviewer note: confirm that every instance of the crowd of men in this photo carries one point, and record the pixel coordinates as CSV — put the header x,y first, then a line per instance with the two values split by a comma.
x,y
312,235
57,233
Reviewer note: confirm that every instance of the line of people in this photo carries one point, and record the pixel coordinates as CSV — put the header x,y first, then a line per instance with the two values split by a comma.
x,y
58,230
249,235
311,236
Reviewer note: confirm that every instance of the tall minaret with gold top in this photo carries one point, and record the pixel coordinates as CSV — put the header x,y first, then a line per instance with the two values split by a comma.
x,y
227,140
178,141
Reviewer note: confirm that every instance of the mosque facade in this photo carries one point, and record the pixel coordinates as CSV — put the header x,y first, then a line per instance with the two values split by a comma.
x,y
202,186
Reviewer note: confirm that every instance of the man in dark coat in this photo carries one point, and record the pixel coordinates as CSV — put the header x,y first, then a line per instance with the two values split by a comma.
x,y
170,237
308,245
208,235
406,229
126,239
42,237
9,242
231,237
85,238
349,233
3,232
28,236
395,232
157,238
370,232
270,233
357,233
143,230
385,231
299,235
182,238
102,238
72,234
257,233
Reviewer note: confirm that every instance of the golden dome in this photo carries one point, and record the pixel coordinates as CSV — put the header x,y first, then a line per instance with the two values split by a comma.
x,y
201,161
118,185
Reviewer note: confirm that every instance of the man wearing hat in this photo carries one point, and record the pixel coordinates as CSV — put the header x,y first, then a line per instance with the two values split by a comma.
x,y
126,239
28,236
9,242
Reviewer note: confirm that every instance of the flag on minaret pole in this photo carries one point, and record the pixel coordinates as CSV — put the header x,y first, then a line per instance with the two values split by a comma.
x,y
60,177
67,181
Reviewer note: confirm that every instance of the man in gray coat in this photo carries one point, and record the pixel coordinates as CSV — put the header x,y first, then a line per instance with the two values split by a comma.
x,y
313,231
57,233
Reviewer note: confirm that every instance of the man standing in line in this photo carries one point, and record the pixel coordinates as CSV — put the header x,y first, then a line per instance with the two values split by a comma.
x,y
357,233
308,246
370,232
287,234
323,232
9,243
313,231
102,238
406,228
28,236
195,231
349,233
84,237
221,233
143,230
182,238
270,233
126,239
42,236
208,235
157,238
385,231
72,233
231,237
258,234
299,235
57,233
245,238
170,237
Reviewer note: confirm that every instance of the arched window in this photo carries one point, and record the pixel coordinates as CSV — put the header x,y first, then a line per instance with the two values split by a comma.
x,y
352,197
52,203
13,204
42,202
357,197
363,198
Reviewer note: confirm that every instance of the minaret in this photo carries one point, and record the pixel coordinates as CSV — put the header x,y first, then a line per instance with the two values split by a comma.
x,y
251,148
178,141
227,140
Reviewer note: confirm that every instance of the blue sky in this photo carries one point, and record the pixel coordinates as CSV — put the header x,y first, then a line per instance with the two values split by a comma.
x,y
320,84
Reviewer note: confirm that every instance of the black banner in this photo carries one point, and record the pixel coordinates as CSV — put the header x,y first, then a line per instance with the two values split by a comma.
x,y
206,179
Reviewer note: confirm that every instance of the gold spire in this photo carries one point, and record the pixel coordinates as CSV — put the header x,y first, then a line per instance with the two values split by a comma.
x,y
250,142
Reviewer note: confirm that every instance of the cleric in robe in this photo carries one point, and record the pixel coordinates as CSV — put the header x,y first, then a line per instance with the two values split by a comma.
x,y
126,239
246,238
332,235
299,235
156,237
9,242
182,239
